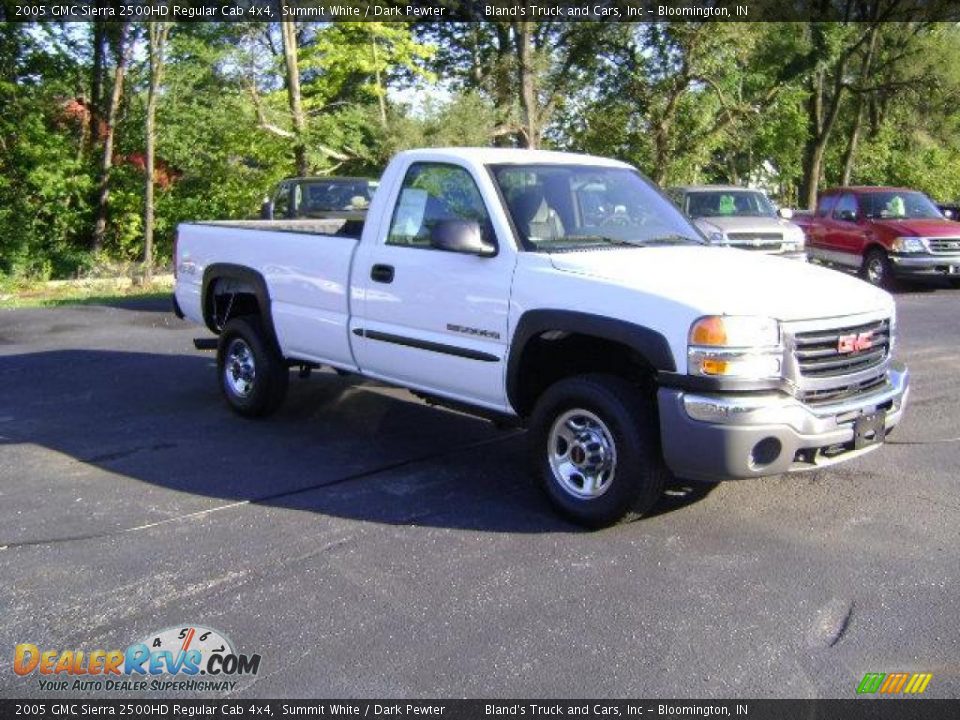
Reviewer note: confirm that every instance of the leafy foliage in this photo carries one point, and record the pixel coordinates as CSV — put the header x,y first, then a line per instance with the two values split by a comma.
x,y
685,102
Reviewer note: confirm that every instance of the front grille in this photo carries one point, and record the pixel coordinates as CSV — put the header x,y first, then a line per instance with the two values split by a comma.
x,y
844,392
944,245
767,242
819,355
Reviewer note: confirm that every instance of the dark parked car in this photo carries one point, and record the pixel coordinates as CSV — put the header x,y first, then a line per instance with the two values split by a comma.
x,y
344,198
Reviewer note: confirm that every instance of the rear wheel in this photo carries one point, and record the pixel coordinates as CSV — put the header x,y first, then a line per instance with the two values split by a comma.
x,y
594,449
877,268
253,375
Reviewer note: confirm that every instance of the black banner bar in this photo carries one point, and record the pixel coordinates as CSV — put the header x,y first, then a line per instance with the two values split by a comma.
x,y
478,10
854,709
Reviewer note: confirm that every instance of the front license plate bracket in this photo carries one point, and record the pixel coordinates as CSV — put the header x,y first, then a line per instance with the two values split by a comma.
x,y
869,429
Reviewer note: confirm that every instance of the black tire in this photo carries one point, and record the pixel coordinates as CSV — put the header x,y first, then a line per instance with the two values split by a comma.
x,y
877,269
627,420
242,340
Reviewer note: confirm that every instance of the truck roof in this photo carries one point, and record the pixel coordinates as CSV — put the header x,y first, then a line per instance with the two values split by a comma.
x,y
328,178
507,156
867,189
720,188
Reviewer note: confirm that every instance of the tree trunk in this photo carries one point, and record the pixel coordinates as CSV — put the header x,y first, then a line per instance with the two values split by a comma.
x,y
157,33
96,76
527,80
106,164
866,69
289,34
821,118
850,153
378,78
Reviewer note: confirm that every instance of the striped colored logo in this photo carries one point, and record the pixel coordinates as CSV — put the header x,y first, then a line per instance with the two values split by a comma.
x,y
894,683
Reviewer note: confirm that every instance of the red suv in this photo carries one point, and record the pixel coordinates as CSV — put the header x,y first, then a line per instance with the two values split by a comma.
x,y
883,232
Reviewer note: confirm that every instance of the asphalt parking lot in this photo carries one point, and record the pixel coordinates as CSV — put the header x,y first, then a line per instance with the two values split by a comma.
x,y
367,545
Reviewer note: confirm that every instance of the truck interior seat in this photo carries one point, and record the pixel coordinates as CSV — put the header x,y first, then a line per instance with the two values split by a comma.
x,y
533,216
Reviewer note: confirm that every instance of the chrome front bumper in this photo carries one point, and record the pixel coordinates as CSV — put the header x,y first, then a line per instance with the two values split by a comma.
x,y
932,264
726,437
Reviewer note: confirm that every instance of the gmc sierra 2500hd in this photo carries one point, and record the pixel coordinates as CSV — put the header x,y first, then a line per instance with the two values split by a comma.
x,y
492,280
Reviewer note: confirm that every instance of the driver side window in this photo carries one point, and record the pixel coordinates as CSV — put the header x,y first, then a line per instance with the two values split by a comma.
x,y
433,193
846,209
281,203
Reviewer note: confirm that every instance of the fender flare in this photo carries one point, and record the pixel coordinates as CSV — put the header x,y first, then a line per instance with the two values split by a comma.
x,y
649,343
241,273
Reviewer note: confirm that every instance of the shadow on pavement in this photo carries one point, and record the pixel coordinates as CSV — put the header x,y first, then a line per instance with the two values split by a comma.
x,y
339,446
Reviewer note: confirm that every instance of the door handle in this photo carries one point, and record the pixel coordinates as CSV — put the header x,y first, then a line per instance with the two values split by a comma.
x,y
382,273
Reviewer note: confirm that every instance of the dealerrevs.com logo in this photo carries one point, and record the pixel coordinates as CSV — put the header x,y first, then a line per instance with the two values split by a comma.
x,y
173,659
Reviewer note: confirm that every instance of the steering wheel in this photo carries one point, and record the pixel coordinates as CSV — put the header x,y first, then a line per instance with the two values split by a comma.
x,y
616,219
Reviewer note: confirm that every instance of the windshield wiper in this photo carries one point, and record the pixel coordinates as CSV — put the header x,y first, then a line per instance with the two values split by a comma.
x,y
672,239
605,239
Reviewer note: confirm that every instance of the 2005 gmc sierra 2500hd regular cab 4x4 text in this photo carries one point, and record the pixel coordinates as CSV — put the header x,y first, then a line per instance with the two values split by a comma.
x,y
492,280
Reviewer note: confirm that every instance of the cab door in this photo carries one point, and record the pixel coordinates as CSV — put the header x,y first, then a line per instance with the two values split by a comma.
x,y
817,228
435,319
846,234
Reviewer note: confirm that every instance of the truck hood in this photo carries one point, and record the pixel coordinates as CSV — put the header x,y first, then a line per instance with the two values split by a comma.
x,y
725,223
920,227
725,281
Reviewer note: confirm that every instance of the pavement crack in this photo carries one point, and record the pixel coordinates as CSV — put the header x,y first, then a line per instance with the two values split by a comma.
x,y
936,501
426,457
934,441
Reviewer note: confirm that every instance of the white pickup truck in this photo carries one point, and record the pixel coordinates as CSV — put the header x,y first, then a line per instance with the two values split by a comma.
x,y
563,293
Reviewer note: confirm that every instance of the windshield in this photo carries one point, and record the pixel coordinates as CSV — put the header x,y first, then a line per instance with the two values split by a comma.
x,y
729,203
567,207
329,195
897,204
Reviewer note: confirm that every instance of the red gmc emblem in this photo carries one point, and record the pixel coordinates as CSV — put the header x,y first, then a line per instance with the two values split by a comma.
x,y
854,342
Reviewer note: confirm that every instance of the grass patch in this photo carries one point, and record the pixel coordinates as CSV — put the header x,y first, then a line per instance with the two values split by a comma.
x,y
105,291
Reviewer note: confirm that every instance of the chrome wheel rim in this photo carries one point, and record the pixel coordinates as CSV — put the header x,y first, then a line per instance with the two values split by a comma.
x,y
582,454
875,270
239,370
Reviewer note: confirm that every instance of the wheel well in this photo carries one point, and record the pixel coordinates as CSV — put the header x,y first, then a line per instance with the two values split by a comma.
x,y
229,298
554,355
874,246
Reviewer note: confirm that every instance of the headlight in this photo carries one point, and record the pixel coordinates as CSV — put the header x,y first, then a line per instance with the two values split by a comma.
x,y
909,245
735,346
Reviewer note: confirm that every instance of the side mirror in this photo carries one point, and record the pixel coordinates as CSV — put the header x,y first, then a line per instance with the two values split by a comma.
x,y
785,213
461,236
266,210
848,215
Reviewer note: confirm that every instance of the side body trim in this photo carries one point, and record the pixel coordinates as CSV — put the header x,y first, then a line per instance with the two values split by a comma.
x,y
426,345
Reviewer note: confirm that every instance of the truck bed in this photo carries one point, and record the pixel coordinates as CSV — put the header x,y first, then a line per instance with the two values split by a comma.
x,y
339,227
305,265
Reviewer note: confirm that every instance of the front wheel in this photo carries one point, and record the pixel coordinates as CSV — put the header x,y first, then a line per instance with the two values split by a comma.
x,y
877,268
595,451
253,375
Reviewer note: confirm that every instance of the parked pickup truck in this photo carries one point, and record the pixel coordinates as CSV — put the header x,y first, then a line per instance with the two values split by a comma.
x,y
884,233
626,346
740,218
